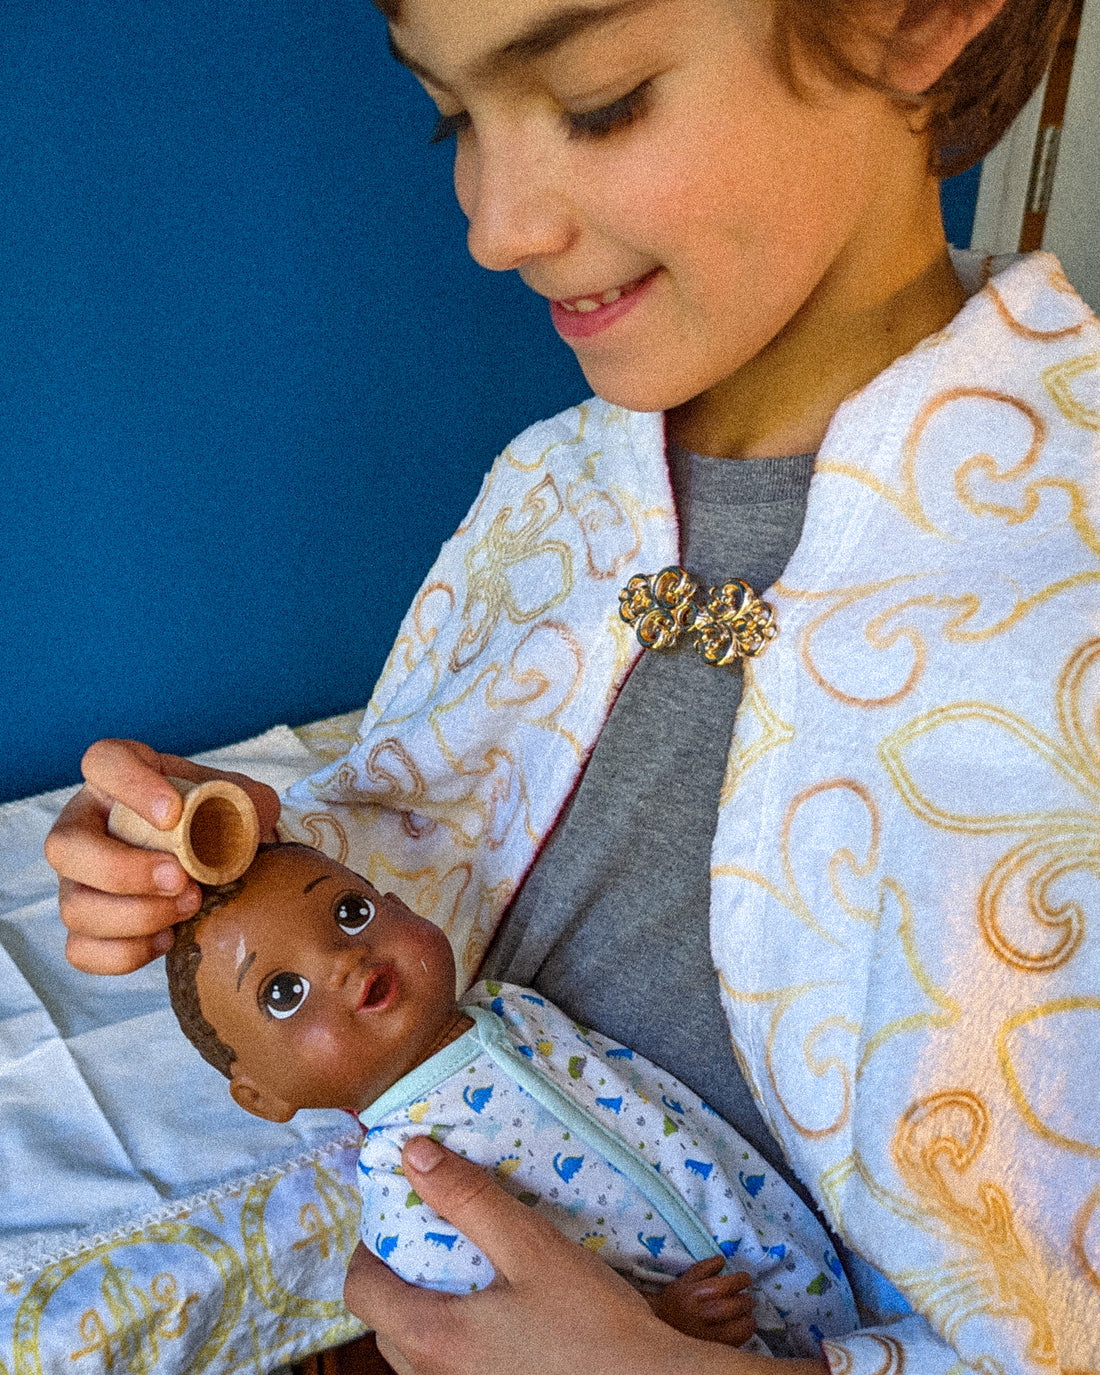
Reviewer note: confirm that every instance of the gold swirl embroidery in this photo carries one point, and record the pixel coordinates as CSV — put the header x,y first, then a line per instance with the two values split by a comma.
x,y
985,466
759,730
137,1321
1086,1216
1057,280
611,536
492,561
491,902
340,1204
1055,844
548,663
947,1132
841,867
135,1338
515,461
392,774
316,824
782,1000
1059,381
1060,1007
843,1358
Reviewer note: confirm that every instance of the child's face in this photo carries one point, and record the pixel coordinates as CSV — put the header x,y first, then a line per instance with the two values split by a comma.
x,y
703,185
327,991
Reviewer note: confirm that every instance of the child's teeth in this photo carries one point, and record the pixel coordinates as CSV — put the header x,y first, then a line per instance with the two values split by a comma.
x,y
585,304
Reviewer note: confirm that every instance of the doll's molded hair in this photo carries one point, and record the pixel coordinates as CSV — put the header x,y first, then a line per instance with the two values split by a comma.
x,y
181,964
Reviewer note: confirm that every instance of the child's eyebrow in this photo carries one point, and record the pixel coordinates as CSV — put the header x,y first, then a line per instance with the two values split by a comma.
x,y
244,970
543,36
314,882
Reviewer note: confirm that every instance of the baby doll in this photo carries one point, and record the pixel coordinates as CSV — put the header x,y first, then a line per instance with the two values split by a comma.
x,y
307,988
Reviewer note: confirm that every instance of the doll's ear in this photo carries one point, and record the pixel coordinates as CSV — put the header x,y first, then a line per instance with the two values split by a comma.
x,y
258,1101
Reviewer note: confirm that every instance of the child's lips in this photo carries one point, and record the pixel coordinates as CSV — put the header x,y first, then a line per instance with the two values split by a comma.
x,y
380,989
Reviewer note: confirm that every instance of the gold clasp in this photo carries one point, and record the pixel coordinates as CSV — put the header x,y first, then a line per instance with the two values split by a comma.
x,y
733,623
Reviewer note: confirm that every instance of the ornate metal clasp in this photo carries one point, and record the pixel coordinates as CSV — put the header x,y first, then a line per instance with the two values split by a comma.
x,y
731,624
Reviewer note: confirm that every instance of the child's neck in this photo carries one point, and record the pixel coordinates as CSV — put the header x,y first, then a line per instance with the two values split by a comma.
x,y
862,317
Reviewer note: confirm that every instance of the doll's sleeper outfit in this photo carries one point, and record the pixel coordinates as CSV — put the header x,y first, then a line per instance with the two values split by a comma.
x,y
620,1156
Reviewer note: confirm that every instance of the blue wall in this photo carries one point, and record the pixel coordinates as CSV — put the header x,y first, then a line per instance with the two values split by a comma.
x,y
249,380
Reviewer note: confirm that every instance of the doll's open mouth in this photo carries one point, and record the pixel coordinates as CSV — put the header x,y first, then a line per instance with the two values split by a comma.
x,y
379,989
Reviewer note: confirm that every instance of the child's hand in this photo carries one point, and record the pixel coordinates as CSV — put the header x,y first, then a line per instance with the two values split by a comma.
x,y
704,1303
120,902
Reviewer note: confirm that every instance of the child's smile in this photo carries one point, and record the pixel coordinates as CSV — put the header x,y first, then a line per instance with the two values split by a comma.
x,y
645,166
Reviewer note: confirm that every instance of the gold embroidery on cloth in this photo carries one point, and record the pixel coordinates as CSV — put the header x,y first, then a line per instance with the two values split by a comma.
x,y
137,1322
133,1343
492,561
340,1204
1057,842
937,1141
1085,1223
1069,1019
1059,381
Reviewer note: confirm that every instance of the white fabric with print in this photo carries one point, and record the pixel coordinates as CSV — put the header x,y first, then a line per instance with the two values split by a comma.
x,y
620,1156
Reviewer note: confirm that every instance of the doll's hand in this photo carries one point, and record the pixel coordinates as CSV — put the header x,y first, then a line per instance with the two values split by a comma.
x,y
120,902
704,1303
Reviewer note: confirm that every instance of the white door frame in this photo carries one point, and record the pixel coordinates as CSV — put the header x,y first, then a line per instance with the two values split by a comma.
x,y
1072,228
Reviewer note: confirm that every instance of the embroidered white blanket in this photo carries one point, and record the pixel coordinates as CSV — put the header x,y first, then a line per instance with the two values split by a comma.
x,y
906,903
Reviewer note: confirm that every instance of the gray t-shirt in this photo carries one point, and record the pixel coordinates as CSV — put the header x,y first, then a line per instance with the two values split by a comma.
x,y
629,857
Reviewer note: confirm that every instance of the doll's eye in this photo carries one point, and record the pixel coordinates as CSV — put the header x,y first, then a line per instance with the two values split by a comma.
x,y
353,912
284,994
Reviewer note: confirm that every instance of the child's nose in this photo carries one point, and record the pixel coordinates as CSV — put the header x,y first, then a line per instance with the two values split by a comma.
x,y
515,207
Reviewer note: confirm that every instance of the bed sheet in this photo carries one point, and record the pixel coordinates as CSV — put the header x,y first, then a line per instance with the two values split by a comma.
x,y
146,1222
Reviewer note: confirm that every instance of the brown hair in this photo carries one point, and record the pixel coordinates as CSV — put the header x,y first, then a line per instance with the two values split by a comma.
x,y
972,104
969,107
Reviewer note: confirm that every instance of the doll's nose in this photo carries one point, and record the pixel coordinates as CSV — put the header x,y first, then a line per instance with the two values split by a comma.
x,y
344,966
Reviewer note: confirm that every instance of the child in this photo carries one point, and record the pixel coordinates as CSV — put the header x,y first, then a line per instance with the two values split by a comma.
x,y
307,988
886,847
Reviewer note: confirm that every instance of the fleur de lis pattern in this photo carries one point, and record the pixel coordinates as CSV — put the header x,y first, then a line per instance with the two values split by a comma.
x,y
909,945
501,676
906,907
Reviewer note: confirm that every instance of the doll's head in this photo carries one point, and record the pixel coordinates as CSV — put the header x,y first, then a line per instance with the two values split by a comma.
x,y
306,987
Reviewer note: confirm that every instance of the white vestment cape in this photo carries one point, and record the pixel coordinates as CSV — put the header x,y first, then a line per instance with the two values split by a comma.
x,y
905,909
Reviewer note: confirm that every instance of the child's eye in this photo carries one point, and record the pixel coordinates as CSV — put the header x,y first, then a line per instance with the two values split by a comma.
x,y
608,118
284,994
446,126
353,911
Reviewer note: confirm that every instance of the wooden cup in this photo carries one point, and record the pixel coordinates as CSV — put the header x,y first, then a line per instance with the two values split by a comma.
x,y
215,839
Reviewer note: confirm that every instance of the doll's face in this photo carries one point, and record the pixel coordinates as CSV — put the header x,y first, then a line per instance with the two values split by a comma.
x,y
326,990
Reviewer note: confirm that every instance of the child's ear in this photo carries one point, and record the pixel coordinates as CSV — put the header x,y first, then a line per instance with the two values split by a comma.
x,y
259,1102
921,39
